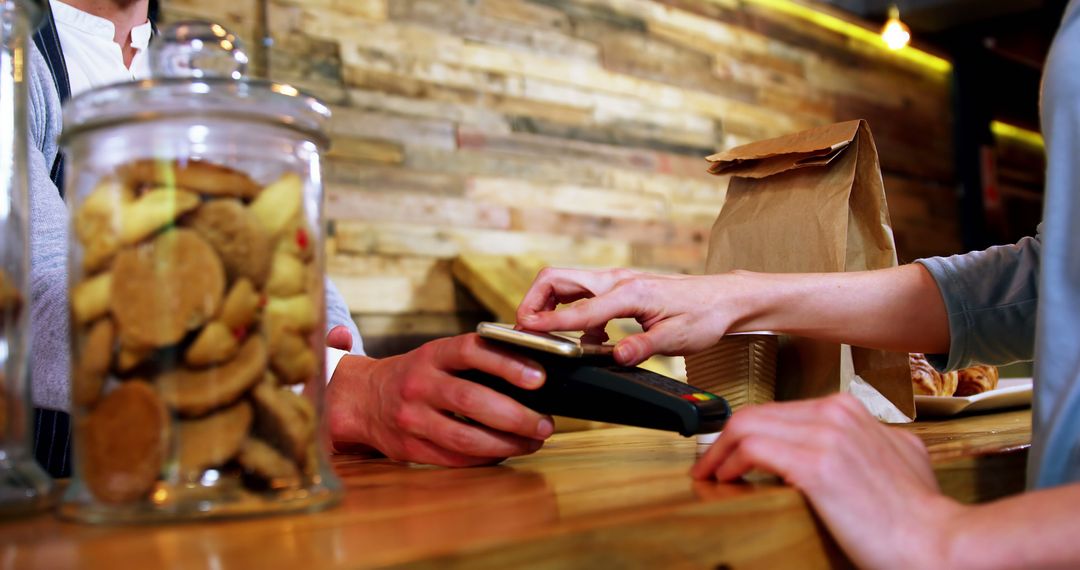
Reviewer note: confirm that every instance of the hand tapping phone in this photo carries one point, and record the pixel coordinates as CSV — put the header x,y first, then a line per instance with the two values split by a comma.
x,y
583,381
544,342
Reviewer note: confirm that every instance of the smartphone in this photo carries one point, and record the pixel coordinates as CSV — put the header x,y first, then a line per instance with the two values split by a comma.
x,y
544,342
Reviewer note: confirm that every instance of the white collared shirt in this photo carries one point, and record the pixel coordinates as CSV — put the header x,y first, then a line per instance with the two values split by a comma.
x,y
92,57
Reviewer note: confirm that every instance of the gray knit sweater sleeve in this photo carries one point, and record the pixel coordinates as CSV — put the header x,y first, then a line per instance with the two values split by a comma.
x,y
991,297
48,244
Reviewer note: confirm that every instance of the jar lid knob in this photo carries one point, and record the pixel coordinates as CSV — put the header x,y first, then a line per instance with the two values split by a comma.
x,y
197,49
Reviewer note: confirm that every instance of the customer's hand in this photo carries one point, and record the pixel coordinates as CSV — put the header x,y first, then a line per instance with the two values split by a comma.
x,y
681,314
407,407
871,484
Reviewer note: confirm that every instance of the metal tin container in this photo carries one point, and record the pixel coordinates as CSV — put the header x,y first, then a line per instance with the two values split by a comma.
x,y
741,368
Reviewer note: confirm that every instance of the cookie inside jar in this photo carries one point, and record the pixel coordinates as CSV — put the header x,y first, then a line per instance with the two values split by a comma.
x,y
197,312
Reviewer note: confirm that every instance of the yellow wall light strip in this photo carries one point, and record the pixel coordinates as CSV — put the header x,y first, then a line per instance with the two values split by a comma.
x,y
1015,133
854,31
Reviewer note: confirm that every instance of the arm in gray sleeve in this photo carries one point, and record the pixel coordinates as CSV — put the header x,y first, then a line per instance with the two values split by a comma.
x,y
337,313
991,297
49,354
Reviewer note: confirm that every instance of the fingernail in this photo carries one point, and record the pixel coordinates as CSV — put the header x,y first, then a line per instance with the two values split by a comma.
x,y
625,353
529,317
545,428
533,376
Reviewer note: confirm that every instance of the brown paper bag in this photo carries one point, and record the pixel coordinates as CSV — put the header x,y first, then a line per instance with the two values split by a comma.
x,y
813,202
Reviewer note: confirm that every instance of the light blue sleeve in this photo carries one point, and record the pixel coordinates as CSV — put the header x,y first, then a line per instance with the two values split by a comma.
x,y
1055,446
337,313
991,297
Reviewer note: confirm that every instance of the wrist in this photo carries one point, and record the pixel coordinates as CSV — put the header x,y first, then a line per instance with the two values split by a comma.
x,y
348,397
759,300
937,543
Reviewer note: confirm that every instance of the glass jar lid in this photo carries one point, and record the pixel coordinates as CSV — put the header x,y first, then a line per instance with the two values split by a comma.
x,y
197,70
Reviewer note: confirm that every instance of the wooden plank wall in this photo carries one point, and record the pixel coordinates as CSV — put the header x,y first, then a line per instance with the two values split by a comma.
x,y
569,130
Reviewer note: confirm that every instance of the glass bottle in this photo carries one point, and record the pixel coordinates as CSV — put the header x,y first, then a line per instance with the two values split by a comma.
x,y
24,486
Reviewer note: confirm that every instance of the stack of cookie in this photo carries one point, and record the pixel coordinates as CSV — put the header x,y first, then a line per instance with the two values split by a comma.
x,y
197,310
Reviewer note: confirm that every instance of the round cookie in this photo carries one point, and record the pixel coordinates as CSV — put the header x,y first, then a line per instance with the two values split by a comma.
x,y
196,175
237,236
123,443
195,392
213,440
163,289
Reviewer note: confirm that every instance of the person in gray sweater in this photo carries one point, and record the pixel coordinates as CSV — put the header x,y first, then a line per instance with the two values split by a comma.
x,y
404,407
871,484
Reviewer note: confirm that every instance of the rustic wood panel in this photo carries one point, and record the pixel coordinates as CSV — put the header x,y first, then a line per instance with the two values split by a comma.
x,y
448,243
573,131
397,284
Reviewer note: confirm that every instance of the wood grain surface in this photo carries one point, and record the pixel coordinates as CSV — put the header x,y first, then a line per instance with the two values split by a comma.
x,y
616,497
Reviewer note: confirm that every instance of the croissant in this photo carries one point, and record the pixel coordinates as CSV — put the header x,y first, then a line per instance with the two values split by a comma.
x,y
976,380
927,381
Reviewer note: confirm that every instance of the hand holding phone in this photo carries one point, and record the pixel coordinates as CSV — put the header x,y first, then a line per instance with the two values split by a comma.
x,y
551,343
583,381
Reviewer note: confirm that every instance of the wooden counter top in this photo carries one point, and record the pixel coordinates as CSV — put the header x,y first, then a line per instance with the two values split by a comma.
x,y
616,497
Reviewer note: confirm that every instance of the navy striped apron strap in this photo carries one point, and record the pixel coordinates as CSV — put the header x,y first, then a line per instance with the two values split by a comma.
x,y
48,43
52,441
52,428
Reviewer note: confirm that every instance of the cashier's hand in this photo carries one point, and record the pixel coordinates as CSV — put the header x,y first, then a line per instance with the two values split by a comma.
x,y
871,484
405,406
681,314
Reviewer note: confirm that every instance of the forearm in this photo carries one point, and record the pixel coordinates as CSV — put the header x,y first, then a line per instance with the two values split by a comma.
x,y
898,309
1033,530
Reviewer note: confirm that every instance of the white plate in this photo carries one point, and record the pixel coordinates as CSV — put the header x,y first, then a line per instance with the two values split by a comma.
x,y
1010,393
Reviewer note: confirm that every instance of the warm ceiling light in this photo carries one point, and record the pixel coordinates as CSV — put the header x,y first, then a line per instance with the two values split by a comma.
x,y
895,33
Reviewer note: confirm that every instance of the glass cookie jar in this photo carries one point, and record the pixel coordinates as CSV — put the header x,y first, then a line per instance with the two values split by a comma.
x,y
24,486
197,291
